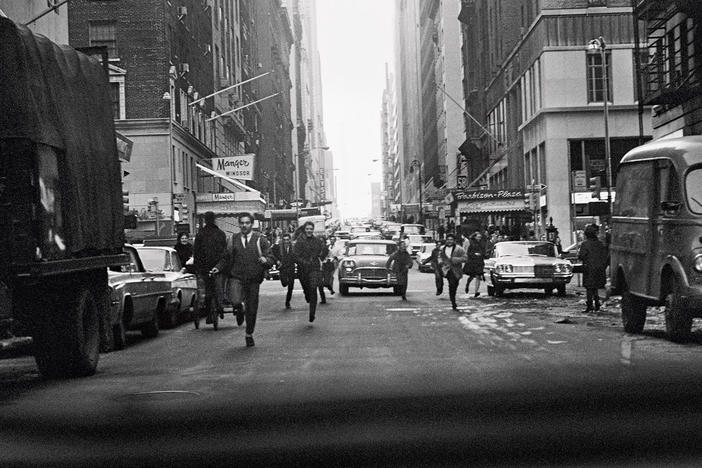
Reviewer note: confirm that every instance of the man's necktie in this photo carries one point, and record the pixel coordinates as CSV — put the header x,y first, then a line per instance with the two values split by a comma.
x,y
246,241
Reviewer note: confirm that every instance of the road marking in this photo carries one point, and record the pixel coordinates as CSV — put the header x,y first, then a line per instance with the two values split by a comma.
x,y
626,351
402,309
555,342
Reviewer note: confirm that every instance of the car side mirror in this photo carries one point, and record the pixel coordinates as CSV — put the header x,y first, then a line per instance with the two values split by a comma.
x,y
670,208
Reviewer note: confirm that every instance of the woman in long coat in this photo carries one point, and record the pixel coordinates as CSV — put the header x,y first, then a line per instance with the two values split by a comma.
x,y
595,258
400,262
475,261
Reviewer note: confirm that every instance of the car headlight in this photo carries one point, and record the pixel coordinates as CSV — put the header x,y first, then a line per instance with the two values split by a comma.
x,y
562,267
504,268
698,263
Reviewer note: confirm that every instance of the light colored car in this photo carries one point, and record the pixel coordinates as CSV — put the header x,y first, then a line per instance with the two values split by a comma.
x,y
183,285
415,242
368,235
424,253
363,265
137,299
527,264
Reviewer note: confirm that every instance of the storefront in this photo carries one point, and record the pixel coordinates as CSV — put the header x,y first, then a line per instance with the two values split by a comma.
x,y
505,209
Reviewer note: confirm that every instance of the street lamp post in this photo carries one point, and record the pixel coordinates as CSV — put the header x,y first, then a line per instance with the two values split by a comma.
x,y
601,45
418,165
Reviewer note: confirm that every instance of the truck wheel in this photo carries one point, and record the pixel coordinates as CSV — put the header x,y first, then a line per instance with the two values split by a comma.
x,y
344,289
678,321
67,342
150,330
633,313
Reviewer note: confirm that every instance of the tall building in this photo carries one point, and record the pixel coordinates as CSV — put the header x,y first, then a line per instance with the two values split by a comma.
x,y
670,65
541,123
391,194
315,162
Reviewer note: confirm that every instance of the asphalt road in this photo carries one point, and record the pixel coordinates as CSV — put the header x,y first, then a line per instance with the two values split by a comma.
x,y
367,347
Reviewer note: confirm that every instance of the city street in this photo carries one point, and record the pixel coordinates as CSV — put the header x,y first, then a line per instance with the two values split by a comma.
x,y
368,346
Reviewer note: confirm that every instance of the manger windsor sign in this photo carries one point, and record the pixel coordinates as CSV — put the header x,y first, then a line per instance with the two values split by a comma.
x,y
236,167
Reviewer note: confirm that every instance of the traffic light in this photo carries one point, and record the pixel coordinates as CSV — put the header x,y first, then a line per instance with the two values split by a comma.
x,y
125,201
532,201
596,187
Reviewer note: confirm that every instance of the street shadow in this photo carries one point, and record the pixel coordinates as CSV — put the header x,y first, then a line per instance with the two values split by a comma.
x,y
534,294
695,337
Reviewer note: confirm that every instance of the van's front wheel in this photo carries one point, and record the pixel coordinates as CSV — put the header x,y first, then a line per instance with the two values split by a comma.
x,y
678,321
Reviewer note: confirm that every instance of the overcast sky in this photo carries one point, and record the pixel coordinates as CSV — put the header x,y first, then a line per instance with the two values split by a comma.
x,y
355,41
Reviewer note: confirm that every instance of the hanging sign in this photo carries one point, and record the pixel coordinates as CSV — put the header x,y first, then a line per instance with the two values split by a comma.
x,y
237,167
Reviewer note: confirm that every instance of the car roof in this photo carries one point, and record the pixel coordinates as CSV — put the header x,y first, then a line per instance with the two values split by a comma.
x,y
684,151
155,247
525,242
371,241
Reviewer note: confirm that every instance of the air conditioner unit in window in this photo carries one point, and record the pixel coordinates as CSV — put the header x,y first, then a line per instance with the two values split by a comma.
x,y
185,68
182,12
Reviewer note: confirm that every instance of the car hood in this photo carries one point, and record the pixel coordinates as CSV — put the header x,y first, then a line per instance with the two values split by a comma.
x,y
369,260
528,260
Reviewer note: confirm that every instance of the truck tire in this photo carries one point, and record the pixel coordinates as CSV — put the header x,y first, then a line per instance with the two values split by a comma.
x,y
67,342
678,321
150,329
633,313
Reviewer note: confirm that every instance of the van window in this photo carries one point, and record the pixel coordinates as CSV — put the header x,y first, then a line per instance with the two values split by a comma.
x,y
668,183
693,188
633,199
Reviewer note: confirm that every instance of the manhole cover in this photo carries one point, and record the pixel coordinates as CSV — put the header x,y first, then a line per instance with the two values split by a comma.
x,y
161,395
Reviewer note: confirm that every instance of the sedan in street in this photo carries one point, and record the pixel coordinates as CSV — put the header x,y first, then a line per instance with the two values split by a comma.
x,y
183,285
363,265
529,264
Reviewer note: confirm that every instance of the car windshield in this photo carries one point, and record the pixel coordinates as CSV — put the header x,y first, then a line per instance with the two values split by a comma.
x,y
371,249
693,188
154,259
413,229
544,249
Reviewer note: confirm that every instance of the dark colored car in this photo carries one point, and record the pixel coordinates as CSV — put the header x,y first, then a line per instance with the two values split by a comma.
x,y
363,265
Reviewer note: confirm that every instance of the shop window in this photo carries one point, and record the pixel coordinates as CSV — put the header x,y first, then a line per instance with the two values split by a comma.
x,y
596,77
103,33
631,201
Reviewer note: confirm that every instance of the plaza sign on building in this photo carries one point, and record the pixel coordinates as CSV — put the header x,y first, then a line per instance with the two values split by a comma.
x,y
490,201
236,167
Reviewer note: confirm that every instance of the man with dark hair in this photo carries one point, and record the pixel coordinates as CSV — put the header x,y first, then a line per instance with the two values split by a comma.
x,y
433,259
285,259
309,252
208,249
451,258
246,260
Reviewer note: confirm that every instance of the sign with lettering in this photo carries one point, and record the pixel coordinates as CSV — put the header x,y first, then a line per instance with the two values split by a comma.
x,y
476,195
237,167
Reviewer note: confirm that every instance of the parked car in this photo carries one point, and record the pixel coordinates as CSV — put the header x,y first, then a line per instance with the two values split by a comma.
x,y
137,298
342,234
407,229
527,264
391,231
363,266
570,253
424,253
415,242
367,235
656,234
183,285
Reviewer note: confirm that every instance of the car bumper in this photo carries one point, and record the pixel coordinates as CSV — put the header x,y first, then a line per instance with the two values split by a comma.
x,y
530,281
368,282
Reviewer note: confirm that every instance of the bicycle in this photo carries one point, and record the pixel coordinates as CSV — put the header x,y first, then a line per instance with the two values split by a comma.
x,y
208,290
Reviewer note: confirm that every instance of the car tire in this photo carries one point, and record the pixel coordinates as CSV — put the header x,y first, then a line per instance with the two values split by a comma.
x,y
548,291
499,291
151,329
561,288
678,321
170,319
119,337
344,289
633,313
490,290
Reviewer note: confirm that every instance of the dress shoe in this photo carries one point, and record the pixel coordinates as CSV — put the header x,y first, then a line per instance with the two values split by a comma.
x,y
454,306
476,294
404,298
221,314
208,319
249,341
239,311
311,316
323,301
287,305
331,291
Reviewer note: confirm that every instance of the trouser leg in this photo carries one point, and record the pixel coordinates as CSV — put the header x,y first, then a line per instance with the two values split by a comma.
x,y
288,295
439,281
250,297
322,296
312,295
453,287
589,297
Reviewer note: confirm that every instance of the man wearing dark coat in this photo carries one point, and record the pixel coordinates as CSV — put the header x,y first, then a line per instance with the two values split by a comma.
x,y
248,257
310,251
285,259
595,258
209,247
400,262
433,260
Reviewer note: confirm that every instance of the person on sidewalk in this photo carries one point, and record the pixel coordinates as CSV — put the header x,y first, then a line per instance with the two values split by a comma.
x,y
309,252
433,260
450,261
246,261
208,249
400,261
283,254
475,262
595,258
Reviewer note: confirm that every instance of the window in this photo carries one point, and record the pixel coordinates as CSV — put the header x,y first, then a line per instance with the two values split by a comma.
x,y
114,99
631,201
103,33
596,77
693,187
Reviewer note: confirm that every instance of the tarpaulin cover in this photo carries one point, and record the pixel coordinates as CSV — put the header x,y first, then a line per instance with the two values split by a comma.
x,y
56,96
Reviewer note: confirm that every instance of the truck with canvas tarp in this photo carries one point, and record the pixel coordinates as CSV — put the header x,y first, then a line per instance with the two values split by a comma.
x,y
61,216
